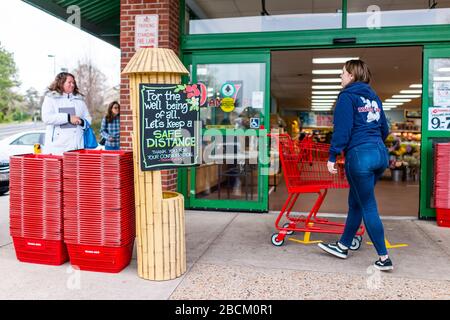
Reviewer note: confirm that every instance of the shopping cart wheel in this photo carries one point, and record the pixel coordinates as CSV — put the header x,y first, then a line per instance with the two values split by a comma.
x,y
285,226
359,238
356,243
275,242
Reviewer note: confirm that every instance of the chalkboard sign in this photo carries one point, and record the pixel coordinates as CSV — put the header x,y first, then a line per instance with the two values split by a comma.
x,y
169,125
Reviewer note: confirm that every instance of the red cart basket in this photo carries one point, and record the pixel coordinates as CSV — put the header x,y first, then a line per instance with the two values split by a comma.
x,y
304,165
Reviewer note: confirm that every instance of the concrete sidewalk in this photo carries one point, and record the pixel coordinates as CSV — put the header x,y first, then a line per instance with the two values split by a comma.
x,y
230,256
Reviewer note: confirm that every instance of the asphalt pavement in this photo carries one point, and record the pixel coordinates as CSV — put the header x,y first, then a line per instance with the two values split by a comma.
x,y
8,129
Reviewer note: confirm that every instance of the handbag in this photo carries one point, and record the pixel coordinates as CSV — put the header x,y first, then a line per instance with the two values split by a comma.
x,y
90,142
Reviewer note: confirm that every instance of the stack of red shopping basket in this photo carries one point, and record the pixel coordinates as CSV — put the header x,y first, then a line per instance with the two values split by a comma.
x,y
36,208
99,222
442,184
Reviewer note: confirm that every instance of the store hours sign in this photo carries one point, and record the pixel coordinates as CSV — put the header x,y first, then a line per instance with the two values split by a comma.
x,y
169,130
439,119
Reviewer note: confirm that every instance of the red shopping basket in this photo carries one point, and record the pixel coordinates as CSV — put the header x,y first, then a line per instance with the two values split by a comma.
x,y
99,211
36,208
304,165
100,258
51,252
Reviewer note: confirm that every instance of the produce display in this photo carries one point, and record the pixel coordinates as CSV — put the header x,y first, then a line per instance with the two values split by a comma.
x,y
404,152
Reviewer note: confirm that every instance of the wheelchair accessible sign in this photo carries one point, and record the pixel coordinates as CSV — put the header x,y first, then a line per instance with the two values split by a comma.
x,y
254,123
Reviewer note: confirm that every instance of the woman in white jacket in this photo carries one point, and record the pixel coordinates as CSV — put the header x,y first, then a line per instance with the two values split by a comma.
x,y
65,113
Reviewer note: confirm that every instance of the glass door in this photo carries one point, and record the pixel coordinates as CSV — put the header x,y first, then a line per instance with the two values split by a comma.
x,y
233,171
435,119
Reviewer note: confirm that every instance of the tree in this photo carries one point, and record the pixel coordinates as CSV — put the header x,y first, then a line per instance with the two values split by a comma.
x,y
8,81
32,103
92,84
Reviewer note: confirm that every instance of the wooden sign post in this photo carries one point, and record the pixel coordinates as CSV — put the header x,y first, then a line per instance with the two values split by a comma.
x,y
160,231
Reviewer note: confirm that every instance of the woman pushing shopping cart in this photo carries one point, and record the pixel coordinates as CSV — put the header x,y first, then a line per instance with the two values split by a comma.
x,y
360,128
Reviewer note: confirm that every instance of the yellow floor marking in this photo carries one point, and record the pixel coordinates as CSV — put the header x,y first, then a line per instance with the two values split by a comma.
x,y
391,246
307,237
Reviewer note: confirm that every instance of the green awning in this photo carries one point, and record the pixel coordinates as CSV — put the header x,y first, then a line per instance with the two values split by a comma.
x,y
100,18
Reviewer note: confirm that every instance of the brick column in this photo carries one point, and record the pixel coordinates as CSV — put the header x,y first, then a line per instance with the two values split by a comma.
x,y
168,11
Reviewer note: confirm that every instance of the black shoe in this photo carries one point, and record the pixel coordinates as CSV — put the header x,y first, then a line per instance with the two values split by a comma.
x,y
335,249
385,265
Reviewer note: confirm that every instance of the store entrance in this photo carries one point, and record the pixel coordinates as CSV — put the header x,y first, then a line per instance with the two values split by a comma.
x,y
304,87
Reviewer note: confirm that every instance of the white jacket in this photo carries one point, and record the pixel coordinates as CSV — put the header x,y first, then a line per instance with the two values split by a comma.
x,y
60,135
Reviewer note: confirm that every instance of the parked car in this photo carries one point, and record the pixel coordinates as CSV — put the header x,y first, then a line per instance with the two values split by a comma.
x,y
22,143
4,173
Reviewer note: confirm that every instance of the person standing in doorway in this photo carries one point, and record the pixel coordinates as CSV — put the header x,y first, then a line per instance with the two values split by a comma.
x,y
66,115
110,128
360,128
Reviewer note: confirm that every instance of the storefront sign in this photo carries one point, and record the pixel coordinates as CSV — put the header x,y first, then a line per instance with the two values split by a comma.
x,y
168,130
228,90
441,94
439,119
146,34
227,104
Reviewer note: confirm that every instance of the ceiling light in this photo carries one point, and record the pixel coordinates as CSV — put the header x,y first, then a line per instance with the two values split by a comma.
x,y
321,105
202,71
418,85
439,79
327,71
323,97
326,92
398,100
327,80
392,104
333,60
443,70
321,109
411,91
406,96
324,86
330,100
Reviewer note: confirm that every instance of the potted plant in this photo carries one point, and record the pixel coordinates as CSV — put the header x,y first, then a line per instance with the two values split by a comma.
x,y
398,170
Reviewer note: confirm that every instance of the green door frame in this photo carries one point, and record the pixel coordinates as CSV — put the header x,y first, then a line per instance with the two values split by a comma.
x,y
433,38
221,57
426,175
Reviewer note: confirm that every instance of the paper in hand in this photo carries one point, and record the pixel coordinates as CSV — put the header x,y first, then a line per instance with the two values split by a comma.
x,y
70,111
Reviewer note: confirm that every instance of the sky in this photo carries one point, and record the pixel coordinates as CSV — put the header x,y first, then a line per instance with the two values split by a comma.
x,y
32,35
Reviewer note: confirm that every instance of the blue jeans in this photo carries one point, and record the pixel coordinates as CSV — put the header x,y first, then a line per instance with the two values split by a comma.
x,y
364,165
112,148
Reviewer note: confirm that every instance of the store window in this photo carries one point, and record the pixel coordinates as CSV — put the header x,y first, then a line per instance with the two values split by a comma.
x,y
390,13
229,16
231,118
235,94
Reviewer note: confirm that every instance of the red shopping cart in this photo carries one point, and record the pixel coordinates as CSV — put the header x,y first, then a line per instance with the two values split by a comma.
x,y
304,165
